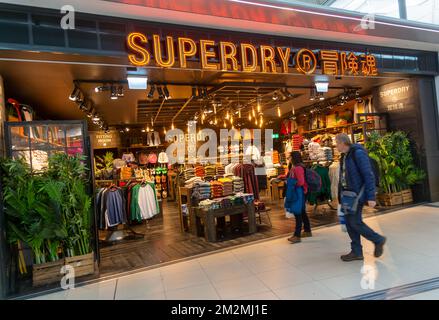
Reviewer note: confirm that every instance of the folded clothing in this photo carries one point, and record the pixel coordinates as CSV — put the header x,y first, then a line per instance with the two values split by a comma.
x,y
189,173
190,182
210,170
216,188
220,171
238,184
199,171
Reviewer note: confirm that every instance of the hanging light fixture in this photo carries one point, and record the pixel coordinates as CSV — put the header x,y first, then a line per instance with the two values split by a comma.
x,y
253,112
227,115
172,126
113,95
164,130
225,125
249,117
231,120
75,94
151,92
160,91
258,105
261,122
166,92
215,121
278,111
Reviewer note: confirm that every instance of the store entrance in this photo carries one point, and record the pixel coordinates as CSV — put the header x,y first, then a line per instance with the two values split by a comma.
x,y
128,127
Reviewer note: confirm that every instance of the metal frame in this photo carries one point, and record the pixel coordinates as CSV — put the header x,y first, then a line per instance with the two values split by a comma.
x,y
6,260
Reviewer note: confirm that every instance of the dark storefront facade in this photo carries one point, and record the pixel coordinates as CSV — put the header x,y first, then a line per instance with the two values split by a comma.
x,y
403,88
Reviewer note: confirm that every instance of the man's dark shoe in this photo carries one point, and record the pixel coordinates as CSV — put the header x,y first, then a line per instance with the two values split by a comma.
x,y
294,239
306,234
351,257
379,248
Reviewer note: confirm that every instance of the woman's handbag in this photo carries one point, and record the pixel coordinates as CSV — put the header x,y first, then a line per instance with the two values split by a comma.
x,y
349,201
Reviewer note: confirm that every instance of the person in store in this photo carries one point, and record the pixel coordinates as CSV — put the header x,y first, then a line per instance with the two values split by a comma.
x,y
297,171
356,175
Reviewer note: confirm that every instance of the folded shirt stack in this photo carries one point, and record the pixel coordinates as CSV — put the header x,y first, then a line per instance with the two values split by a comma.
x,y
199,171
216,189
247,197
210,170
227,186
190,182
220,171
272,172
203,189
189,173
238,184
327,152
275,156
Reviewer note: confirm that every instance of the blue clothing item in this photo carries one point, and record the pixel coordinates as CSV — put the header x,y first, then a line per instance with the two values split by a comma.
x,y
302,219
294,197
357,228
359,173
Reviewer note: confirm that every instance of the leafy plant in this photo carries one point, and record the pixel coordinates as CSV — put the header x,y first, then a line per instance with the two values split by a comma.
x,y
104,165
49,211
397,168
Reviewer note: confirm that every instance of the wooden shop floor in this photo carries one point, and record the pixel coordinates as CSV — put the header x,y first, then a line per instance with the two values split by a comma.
x,y
164,241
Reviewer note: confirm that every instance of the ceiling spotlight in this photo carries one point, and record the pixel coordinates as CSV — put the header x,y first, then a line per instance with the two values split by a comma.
x,y
166,91
151,92
95,117
113,95
82,105
312,94
120,92
143,130
194,92
75,94
321,97
205,96
160,91
127,129
137,82
275,96
288,94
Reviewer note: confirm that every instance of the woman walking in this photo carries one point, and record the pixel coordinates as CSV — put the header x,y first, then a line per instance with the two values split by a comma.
x,y
297,172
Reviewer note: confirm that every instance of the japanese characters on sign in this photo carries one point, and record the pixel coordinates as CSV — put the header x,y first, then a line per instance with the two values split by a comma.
x,y
227,56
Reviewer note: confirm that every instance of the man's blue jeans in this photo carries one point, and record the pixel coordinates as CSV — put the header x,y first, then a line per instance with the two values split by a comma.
x,y
357,228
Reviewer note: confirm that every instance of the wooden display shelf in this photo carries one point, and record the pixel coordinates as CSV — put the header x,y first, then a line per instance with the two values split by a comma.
x,y
338,127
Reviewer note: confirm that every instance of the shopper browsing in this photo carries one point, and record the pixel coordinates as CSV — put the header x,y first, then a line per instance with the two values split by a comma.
x,y
356,188
297,177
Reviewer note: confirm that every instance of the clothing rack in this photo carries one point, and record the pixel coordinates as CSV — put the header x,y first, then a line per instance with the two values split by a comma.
x,y
328,202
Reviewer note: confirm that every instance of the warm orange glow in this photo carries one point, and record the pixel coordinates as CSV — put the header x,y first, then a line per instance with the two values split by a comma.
x,y
228,53
205,54
169,50
141,57
284,58
267,56
183,53
306,61
245,49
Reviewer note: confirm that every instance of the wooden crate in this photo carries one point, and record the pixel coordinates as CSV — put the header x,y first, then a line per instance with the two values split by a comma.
x,y
390,199
46,273
84,265
407,196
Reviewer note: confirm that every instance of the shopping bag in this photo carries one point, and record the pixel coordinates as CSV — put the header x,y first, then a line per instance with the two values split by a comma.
x,y
341,218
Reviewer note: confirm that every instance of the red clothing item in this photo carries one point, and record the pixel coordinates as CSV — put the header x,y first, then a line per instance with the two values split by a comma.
x,y
299,174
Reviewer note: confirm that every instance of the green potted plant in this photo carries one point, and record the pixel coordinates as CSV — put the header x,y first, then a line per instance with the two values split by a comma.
x,y
397,169
33,220
104,166
76,207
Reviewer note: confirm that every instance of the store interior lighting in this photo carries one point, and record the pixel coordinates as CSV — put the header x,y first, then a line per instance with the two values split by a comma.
x,y
75,94
137,82
113,95
166,92
322,86
151,92
160,92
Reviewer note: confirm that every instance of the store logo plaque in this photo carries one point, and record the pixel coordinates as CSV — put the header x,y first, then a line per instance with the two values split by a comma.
x,y
213,55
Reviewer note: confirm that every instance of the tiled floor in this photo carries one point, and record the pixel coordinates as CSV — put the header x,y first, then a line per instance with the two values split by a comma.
x,y
276,269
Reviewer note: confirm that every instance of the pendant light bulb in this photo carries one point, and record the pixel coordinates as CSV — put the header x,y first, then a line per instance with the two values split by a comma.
x,y
227,115
239,113
278,112
164,130
225,126
253,112
249,117
173,126
231,120
259,105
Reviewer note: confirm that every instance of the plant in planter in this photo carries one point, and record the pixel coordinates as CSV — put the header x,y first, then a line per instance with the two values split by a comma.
x,y
71,197
397,169
104,165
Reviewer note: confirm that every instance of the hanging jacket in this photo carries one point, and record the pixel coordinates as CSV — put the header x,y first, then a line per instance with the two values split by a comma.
x,y
294,197
325,192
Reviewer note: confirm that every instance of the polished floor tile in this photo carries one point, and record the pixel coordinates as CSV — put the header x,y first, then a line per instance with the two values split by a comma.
x,y
180,280
201,292
283,277
306,291
241,287
141,285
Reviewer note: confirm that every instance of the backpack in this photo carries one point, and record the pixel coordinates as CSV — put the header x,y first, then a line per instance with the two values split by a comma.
x,y
313,180
373,164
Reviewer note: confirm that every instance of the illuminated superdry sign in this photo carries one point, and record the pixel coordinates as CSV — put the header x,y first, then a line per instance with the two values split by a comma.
x,y
244,57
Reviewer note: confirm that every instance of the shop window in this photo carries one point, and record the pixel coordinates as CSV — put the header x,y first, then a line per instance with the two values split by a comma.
x,y
47,31
116,28
13,21
113,43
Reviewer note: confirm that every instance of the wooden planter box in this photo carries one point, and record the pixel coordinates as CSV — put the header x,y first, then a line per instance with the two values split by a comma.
x,y
407,196
84,265
47,273
390,199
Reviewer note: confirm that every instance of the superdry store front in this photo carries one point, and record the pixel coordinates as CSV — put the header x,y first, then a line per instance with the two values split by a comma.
x,y
113,90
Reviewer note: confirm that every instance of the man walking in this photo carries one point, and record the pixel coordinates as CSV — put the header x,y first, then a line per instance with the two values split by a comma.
x,y
356,174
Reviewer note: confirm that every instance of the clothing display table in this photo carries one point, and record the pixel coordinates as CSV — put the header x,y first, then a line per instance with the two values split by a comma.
x,y
208,216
